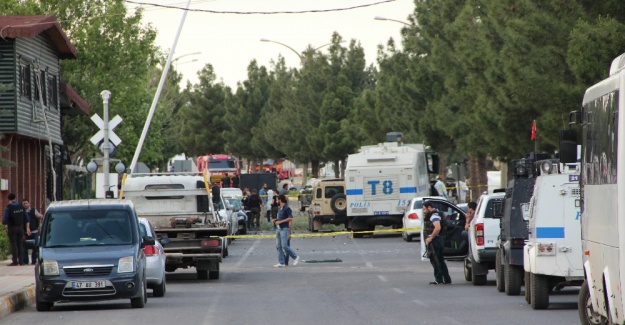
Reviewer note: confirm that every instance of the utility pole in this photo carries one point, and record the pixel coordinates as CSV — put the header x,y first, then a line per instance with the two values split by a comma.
x,y
106,149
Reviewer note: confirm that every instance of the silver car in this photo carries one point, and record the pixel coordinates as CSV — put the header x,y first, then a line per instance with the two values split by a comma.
x,y
155,260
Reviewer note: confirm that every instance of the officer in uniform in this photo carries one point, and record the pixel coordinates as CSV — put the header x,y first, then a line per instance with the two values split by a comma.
x,y
16,222
435,242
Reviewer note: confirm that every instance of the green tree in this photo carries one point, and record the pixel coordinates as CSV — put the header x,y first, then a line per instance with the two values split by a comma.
x,y
201,119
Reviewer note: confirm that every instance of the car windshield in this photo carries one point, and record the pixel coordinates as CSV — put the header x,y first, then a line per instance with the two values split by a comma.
x,y
235,203
85,228
215,164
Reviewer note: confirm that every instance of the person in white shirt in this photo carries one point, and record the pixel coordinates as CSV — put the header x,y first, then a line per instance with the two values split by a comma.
x,y
440,187
270,194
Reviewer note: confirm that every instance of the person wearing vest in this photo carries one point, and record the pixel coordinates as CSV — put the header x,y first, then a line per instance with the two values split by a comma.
x,y
35,219
435,243
15,223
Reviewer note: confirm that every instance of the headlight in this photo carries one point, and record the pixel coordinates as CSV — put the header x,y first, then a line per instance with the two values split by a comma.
x,y
126,264
50,267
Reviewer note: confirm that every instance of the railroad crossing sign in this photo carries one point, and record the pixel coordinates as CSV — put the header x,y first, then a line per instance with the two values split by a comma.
x,y
100,135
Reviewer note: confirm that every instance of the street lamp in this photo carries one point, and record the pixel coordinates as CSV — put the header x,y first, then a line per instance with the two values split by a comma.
x,y
302,59
395,20
188,54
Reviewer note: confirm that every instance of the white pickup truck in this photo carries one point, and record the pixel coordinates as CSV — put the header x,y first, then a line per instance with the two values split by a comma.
x,y
182,211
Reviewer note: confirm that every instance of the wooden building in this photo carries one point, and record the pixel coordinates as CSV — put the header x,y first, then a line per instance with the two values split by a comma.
x,y
32,101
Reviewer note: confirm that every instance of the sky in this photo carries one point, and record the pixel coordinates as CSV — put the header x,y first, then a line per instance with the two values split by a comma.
x,y
229,42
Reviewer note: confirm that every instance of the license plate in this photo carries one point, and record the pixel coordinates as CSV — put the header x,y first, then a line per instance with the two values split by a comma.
x,y
88,284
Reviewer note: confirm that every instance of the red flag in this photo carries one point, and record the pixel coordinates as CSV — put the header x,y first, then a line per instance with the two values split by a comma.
x,y
533,136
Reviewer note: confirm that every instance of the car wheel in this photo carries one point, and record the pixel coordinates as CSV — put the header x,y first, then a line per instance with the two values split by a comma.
x,y
139,302
587,315
467,269
528,287
500,277
213,275
338,203
43,305
407,237
160,289
202,274
540,291
514,277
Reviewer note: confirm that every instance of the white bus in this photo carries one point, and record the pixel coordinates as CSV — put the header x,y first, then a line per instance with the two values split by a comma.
x,y
603,182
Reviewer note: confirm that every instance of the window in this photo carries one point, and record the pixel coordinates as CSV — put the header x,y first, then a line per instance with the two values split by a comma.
x,y
24,81
85,228
163,187
53,92
331,191
40,82
600,139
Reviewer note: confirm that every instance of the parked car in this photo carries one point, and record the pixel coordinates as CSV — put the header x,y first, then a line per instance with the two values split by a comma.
x,y
154,260
90,250
483,233
328,205
240,214
226,212
413,217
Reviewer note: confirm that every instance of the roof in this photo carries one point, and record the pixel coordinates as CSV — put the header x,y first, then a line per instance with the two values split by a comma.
x,y
31,26
90,203
72,101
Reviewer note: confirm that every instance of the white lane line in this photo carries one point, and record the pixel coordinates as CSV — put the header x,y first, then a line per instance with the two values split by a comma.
x,y
398,291
248,253
369,264
382,278
420,303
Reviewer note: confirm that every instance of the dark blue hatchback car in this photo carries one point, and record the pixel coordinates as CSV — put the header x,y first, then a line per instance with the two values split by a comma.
x,y
90,250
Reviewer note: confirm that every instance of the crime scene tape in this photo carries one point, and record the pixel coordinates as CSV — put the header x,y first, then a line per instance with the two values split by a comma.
x,y
325,234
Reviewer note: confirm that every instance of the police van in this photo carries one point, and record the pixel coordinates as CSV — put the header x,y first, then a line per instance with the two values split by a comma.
x,y
382,179
553,252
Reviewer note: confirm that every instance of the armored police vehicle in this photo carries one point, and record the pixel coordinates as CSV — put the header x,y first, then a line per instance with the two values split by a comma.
x,y
553,251
382,179
509,256
601,299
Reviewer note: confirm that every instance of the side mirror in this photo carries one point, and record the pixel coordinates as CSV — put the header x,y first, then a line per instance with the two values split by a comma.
x,y
148,240
498,209
568,146
165,240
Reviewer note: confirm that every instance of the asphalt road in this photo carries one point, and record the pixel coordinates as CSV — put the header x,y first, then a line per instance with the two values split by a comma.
x,y
380,280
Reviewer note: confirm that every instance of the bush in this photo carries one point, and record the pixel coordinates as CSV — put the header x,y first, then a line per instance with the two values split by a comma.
x,y
5,249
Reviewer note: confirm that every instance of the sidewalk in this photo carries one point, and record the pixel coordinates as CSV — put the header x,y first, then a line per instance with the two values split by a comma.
x,y
17,287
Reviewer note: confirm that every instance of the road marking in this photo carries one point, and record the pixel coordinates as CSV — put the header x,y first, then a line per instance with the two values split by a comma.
x,y
383,279
369,264
248,253
398,291
420,303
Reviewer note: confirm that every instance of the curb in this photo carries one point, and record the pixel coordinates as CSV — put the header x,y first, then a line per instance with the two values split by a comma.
x,y
17,300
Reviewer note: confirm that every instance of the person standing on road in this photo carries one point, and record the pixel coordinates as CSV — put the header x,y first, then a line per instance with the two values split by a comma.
x,y
35,218
285,190
255,203
268,203
225,181
235,181
15,221
471,206
263,196
440,187
285,216
435,243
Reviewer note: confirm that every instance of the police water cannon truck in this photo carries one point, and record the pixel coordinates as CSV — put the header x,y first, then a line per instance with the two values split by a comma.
x,y
382,179
602,118
553,252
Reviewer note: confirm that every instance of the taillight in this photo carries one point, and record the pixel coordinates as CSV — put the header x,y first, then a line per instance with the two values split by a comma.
x,y
413,216
210,243
479,234
150,250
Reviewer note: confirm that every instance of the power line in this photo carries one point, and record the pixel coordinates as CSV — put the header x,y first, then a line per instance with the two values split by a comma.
x,y
261,12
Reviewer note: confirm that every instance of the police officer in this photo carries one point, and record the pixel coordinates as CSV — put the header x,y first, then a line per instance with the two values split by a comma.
x,y
15,221
35,218
435,243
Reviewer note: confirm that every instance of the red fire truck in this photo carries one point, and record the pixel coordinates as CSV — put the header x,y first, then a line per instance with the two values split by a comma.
x,y
218,165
